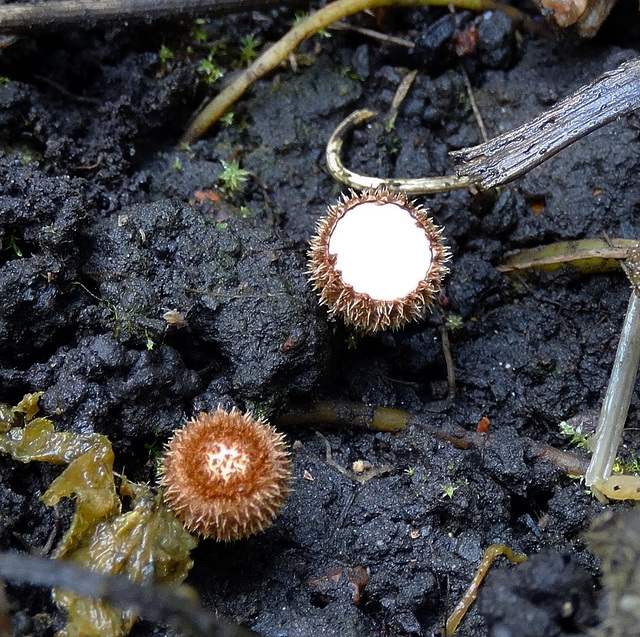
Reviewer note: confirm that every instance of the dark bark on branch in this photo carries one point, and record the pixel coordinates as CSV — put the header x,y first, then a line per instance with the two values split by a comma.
x,y
508,156
153,602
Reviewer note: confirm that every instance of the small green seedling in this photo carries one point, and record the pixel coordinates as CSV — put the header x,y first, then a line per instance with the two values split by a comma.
x,y
198,34
227,118
165,54
578,438
210,70
448,490
453,322
12,243
232,178
249,48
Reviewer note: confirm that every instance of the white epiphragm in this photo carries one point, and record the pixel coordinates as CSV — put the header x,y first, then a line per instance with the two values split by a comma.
x,y
381,250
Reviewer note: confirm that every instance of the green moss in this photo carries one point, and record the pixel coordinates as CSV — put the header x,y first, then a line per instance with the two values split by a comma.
x,y
165,54
210,70
453,322
232,178
198,34
227,118
578,438
249,48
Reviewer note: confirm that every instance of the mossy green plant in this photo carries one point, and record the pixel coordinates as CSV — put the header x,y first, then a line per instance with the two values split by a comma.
x,y
165,54
249,48
448,490
210,70
232,178
577,437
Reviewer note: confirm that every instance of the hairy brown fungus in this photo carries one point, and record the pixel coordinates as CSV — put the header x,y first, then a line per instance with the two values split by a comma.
x,y
377,260
226,474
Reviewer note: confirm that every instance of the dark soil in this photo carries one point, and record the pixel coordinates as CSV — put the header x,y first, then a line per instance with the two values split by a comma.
x,y
106,225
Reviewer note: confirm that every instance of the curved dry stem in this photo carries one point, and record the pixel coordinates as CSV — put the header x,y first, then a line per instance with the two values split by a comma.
x,y
488,558
317,21
418,186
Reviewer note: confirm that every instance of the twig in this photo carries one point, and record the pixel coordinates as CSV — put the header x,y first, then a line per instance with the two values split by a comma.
x,y
585,255
5,617
488,557
65,92
321,19
508,156
155,603
17,18
448,359
474,104
339,412
398,99
354,414
375,35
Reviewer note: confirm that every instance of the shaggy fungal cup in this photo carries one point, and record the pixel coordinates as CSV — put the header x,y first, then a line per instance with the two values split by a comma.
x,y
226,474
377,260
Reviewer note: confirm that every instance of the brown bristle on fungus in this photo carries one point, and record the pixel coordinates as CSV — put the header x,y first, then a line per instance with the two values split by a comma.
x,y
377,260
225,475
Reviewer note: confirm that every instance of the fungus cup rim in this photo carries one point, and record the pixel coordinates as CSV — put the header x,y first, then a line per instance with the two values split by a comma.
x,y
358,309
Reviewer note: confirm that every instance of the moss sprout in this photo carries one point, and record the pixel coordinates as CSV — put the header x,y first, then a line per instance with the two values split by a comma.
x,y
232,178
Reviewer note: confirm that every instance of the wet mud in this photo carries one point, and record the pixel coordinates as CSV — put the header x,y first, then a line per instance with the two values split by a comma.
x,y
107,225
